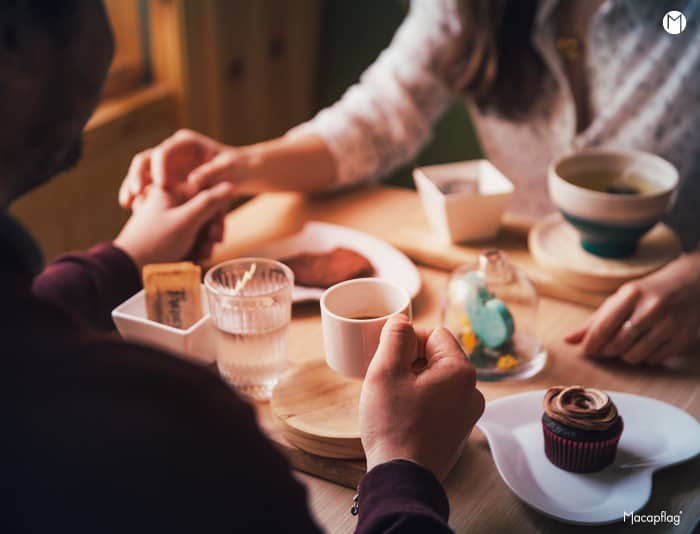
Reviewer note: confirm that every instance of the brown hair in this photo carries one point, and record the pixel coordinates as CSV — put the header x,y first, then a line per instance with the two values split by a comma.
x,y
499,68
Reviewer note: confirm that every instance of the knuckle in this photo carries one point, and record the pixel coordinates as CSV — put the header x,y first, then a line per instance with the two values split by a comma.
x,y
184,133
660,357
609,350
139,161
633,357
399,323
398,327
628,359
595,331
226,158
446,340
655,304
210,197
136,162
198,176
441,330
629,290
462,370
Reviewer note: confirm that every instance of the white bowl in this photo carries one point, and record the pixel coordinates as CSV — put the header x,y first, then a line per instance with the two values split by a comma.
x,y
195,344
461,217
605,207
610,225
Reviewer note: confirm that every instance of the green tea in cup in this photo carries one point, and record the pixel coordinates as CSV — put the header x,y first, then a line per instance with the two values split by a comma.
x,y
616,183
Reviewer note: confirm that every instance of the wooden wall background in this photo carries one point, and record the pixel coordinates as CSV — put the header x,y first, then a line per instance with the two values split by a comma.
x,y
249,65
239,70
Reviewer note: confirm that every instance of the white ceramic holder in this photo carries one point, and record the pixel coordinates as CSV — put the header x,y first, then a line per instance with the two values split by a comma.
x,y
195,343
469,216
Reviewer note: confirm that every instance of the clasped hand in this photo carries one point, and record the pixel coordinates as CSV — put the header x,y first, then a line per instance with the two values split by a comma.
x,y
175,215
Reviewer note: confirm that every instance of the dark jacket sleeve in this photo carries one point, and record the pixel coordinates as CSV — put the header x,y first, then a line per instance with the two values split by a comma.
x,y
89,285
139,442
402,497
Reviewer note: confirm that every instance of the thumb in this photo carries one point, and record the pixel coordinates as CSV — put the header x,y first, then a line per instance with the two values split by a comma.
x,y
398,347
206,205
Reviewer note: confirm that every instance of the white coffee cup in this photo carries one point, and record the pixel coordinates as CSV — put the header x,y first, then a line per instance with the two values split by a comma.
x,y
353,314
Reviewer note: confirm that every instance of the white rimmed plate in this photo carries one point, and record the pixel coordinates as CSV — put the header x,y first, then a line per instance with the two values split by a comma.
x,y
656,435
387,261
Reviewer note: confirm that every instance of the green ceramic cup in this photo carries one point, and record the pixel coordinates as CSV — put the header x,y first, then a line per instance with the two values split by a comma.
x,y
612,196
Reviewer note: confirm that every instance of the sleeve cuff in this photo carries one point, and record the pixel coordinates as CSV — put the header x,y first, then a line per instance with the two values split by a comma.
x,y
403,487
88,285
119,266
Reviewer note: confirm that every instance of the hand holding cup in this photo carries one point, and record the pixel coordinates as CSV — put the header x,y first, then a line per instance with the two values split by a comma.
x,y
419,400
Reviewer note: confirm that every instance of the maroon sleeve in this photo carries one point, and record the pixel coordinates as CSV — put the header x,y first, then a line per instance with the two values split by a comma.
x,y
401,497
89,285
115,438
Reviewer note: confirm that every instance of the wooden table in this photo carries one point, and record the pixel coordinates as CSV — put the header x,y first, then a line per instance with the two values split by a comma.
x,y
480,501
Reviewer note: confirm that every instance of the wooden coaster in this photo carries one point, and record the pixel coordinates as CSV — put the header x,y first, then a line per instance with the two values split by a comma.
x,y
318,410
555,245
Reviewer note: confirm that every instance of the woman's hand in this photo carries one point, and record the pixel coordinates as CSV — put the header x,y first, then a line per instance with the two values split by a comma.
x,y
419,399
647,320
165,227
186,162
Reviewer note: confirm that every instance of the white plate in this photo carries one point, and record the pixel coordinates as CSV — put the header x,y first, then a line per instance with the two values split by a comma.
x,y
656,435
322,237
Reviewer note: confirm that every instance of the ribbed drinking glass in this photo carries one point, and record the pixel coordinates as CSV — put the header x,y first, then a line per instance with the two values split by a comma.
x,y
250,303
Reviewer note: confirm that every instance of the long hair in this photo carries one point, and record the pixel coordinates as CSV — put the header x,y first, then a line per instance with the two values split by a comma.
x,y
499,68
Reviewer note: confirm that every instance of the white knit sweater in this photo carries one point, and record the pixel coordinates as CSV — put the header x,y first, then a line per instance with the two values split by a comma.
x,y
645,94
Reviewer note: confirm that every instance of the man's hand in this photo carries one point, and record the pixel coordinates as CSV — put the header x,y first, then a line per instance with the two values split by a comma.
x,y
165,227
647,320
186,162
419,399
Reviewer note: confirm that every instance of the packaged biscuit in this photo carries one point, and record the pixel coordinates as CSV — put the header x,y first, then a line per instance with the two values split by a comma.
x,y
173,293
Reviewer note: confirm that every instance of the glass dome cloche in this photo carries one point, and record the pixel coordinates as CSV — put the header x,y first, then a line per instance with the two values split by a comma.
x,y
491,308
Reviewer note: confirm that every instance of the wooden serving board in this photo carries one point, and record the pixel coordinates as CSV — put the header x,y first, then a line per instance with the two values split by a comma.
x,y
318,411
554,244
394,215
347,473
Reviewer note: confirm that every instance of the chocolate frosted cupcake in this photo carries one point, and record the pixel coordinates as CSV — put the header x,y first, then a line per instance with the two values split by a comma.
x,y
581,428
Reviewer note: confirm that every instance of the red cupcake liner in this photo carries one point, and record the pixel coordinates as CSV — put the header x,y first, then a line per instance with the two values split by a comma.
x,y
580,456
